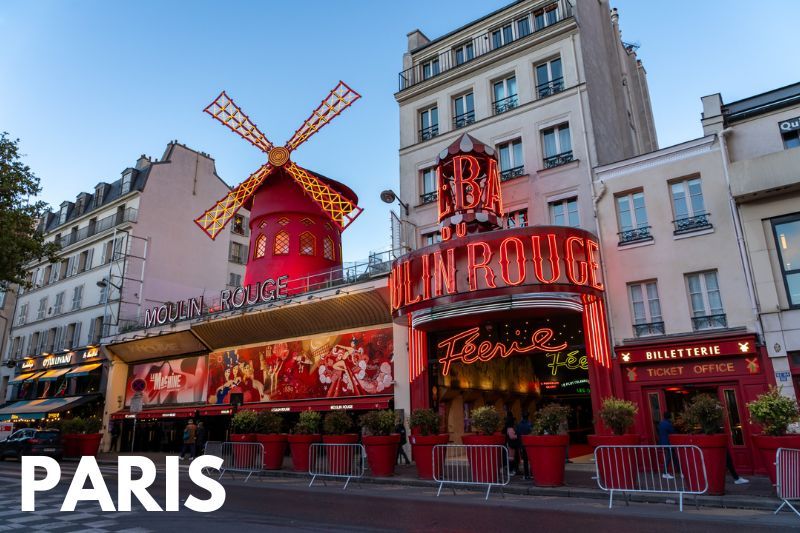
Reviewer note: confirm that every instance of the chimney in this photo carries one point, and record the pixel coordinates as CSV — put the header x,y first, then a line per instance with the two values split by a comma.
x,y
712,118
143,162
416,39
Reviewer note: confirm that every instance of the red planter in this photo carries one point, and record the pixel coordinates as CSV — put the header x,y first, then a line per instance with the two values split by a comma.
x,y
485,463
768,448
243,437
422,453
381,453
612,465
547,454
274,450
77,445
71,445
299,446
241,458
714,448
340,459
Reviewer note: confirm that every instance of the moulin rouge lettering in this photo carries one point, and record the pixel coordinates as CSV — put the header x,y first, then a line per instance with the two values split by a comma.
x,y
462,347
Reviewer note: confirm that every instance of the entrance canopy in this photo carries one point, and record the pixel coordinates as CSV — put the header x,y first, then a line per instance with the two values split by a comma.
x,y
38,409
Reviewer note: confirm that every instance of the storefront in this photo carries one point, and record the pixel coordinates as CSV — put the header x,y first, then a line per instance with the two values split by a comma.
x,y
665,375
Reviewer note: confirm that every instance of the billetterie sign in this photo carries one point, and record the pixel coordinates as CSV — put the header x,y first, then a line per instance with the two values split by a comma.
x,y
260,292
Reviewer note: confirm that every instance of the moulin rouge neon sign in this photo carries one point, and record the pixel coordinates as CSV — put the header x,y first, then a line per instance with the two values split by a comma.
x,y
463,348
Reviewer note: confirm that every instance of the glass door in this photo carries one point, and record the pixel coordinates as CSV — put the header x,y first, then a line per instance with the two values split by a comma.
x,y
655,403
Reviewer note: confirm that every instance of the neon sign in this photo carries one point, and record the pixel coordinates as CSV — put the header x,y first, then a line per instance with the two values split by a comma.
x,y
462,347
570,361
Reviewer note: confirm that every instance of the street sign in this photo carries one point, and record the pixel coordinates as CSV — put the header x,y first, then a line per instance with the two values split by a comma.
x,y
136,403
783,375
138,385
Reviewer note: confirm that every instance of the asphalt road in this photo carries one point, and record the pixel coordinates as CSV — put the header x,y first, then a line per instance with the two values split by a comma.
x,y
271,504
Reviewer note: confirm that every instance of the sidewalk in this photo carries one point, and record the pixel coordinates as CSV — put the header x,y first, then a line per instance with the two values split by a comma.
x,y
759,494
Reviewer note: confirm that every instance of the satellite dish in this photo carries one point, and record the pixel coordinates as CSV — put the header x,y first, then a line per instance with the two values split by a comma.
x,y
388,196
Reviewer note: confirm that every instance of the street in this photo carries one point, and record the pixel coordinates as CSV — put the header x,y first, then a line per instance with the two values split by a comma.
x,y
288,504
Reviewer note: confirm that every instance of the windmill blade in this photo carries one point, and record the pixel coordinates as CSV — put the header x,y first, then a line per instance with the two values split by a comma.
x,y
231,115
339,99
213,220
340,209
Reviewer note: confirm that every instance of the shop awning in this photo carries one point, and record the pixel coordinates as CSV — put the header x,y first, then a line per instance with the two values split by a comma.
x,y
83,370
52,375
163,345
26,376
36,409
165,413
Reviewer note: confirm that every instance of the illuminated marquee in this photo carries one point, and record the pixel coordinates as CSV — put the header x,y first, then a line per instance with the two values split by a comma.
x,y
745,345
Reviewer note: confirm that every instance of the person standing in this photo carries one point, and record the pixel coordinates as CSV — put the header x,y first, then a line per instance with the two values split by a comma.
x,y
665,429
401,452
202,436
524,428
114,435
512,443
189,440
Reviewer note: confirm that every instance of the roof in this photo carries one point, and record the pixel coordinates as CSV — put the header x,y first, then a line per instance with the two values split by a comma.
x,y
759,104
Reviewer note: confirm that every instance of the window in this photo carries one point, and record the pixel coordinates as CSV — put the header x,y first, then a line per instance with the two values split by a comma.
x,y
428,123
545,17
790,132
77,297
464,53
95,330
99,192
327,249
523,27
428,177
517,219
236,253
85,260
307,222
645,308
48,274
234,279
505,95
308,243
261,246
688,207
59,303
705,300
511,165
557,146
40,313
431,238
50,340
787,237
281,244
126,182
564,212
283,221
430,68
502,36
104,294
22,318
632,218
118,242
35,342
549,78
463,110
62,214
239,225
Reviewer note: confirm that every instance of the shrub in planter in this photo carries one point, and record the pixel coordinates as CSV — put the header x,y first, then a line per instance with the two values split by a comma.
x,y
774,412
243,426
486,420
380,442
81,436
306,432
485,463
703,418
424,436
618,416
337,425
268,433
547,450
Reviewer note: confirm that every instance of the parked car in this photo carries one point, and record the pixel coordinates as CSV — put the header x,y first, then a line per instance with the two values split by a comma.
x,y
30,441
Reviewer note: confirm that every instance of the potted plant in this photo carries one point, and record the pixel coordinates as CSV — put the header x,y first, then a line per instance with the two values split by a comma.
x,y
381,441
81,436
774,412
243,426
618,416
306,432
546,448
424,436
268,433
485,463
337,426
703,418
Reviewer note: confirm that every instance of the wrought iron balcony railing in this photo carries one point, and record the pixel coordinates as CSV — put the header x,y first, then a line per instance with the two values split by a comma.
x,y
505,104
550,88
558,159
128,215
651,328
464,119
428,133
690,224
511,173
709,322
629,236
428,197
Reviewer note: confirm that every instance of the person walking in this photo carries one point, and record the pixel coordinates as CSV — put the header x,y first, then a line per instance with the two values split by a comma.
x,y
189,440
401,452
202,436
114,435
665,429
524,427
512,442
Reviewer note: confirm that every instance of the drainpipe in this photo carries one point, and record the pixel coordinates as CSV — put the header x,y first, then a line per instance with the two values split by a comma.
x,y
737,225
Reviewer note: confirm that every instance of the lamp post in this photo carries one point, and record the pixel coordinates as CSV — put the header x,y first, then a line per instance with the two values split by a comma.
x,y
389,196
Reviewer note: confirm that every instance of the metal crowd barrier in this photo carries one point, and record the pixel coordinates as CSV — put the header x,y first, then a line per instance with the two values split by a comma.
x,y
336,461
787,480
243,457
212,447
471,465
677,470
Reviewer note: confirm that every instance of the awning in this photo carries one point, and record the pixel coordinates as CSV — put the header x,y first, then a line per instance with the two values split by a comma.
x,y
157,346
160,413
23,377
35,409
52,375
83,370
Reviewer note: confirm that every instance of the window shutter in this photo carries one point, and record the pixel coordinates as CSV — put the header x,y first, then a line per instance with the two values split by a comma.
x,y
77,336
89,257
246,254
30,345
57,340
42,341
53,273
246,226
103,258
91,331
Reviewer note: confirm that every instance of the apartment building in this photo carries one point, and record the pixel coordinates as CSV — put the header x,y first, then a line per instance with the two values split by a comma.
x,y
8,298
126,246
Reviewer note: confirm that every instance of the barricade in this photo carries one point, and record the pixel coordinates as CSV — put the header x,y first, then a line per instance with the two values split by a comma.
x,y
344,461
660,469
471,465
787,480
243,457
212,447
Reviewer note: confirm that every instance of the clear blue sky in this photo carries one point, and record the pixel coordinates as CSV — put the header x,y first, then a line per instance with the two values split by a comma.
x,y
89,85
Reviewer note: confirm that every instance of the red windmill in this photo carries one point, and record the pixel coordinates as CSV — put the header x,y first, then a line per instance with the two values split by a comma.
x,y
296,216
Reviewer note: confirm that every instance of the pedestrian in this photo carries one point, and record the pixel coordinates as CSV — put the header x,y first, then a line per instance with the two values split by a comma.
x,y
202,435
512,443
401,453
524,428
114,435
665,429
189,439
739,480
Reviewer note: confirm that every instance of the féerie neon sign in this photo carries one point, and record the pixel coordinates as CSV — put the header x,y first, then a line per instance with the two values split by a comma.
x,y
462,347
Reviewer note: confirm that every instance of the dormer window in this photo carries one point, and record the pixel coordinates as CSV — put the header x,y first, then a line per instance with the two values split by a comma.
x,y
62,214
99,193
127,178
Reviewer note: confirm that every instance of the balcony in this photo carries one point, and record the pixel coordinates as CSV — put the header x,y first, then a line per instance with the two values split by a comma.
x,y
479,46
464,119
505,104
646,330
428,197
558,159
428,133
709,322
630,236
690,224
549,88
511,173
128,215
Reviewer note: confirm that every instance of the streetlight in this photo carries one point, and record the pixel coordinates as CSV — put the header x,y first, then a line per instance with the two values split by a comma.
x,y
105,283
389,196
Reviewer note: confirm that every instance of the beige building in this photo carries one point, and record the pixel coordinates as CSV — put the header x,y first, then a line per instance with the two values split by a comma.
x,y
8,298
